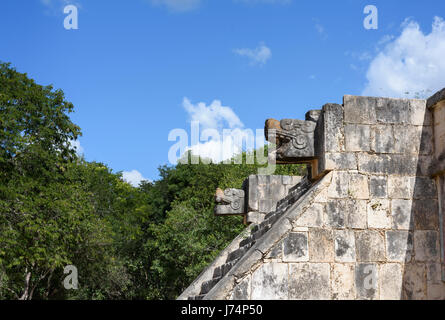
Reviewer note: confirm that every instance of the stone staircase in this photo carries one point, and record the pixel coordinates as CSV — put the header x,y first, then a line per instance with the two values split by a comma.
x,y
255,234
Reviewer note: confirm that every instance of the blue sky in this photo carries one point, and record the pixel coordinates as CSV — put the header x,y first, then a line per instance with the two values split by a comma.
x,y
137,69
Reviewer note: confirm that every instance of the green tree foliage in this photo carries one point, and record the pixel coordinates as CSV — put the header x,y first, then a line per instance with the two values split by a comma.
x,y
57,209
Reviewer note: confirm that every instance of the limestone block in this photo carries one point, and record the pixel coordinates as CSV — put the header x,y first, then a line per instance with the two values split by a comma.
x,y
267,205
309,281
358,186
356,213
382,139
426,245
424,188
333,134
344,246
389,110
426,214
340,161
312,217
426,140
366,281
276,252
336,214
401,212
391,281
357,137
255,217
321,245
359,109
401,187
435,286
379,215
414,281
242,289
399,246
378,186
407,139
342,282
295,247
270,282
418,113
339,185
401,164
370,245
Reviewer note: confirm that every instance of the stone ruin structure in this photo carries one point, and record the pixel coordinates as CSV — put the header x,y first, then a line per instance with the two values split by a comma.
x,y
365,223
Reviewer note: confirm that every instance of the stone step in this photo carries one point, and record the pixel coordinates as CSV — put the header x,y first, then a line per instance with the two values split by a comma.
x,y
200,297
238,253
208,285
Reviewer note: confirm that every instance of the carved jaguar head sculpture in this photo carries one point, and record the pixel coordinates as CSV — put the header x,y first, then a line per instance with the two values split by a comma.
x,y
294,138
229,202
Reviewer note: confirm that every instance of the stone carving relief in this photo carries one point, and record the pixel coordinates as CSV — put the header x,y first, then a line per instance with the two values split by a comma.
x,y
229,202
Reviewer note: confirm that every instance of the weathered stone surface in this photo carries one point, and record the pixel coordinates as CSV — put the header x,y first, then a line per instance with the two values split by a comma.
x,y
295,247
321,245
255,217
399,246
340,161
401,164
312,217
267,205
270,282
356,213
242,290
378,186
401,187
401,211
426,214
414,281
333,134
309,281
340,185
379,215
276,252
342,282
391,280
424,188
344,246
426,245
418,113
357,137
366,281
336,214
358,186
370,245
382,139
359,109
229,202
407,139
392,110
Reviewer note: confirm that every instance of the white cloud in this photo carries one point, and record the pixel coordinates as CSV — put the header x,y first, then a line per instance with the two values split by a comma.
x,y
214,116
133,177
411,63
229,136
178,5
259,55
